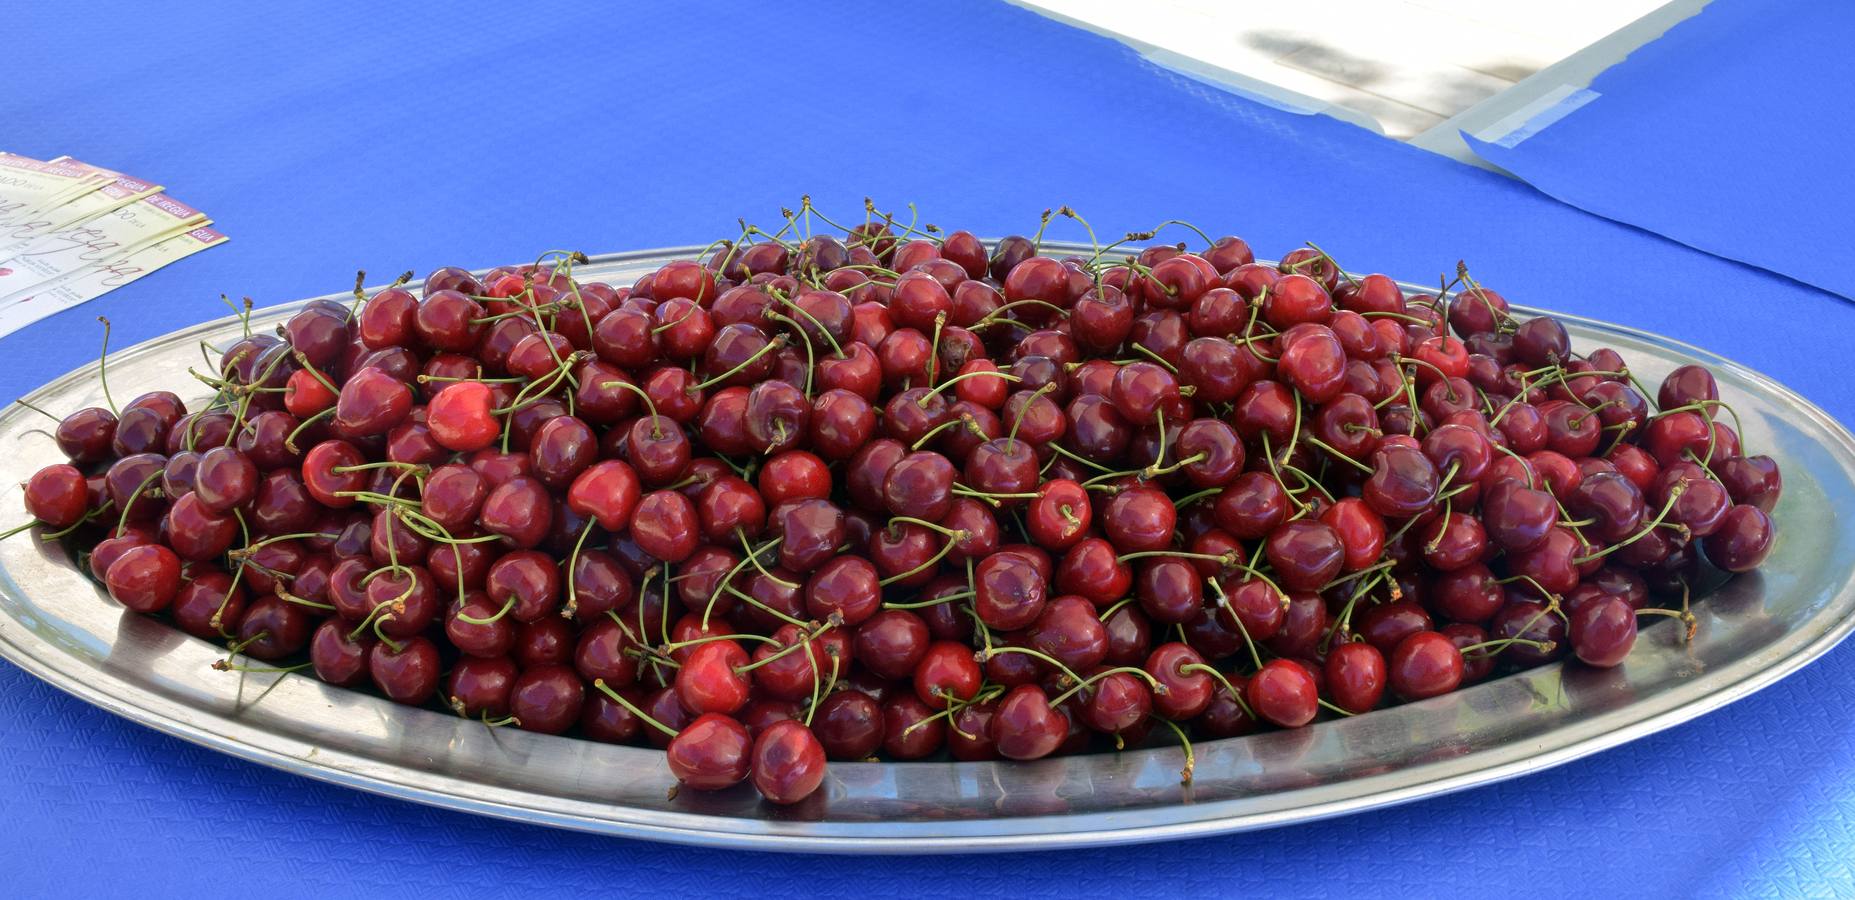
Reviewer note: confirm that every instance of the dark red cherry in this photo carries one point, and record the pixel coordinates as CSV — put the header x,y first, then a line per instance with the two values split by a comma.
x,y
1425,664
1742,541
1603,631
710,753
1283,692
1356,676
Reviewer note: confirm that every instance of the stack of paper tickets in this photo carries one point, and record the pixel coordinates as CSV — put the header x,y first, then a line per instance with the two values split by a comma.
x,y
70,231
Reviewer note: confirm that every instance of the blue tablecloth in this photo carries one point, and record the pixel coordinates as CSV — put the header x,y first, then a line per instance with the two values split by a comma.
x,y
1730,133
406,136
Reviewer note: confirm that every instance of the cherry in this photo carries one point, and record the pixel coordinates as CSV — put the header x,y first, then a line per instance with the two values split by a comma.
x,y
946,672
338,658
208,604
1069,631
273,629
849,725
1139,519
846,586
1305,553
1356,676
1751,480
1025,725
1743,540
1184,689
1532,621
1252,507
901,740
1008,594
891,643
480,687
788,763
711,753
145,578
57,495
1425,664
1091,569
1115,703
462,418
1403,482
1283,692
1603,631
920,486
195,533
372,401
810,532
708,681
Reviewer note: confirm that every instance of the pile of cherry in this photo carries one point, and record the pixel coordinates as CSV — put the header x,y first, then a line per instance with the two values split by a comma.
x,y
893,492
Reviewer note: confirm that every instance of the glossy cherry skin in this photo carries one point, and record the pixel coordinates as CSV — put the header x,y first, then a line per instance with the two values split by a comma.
x,y
1403,483
371,402
920,485
1356,676
1516,517
1603,631
1551,563
547,699
145,578
1009,593
1468,594
1026,726
1185,688
708,682
1060,515
1252,507
408,675
900,740
665,526
1069,631
891,643
1532,621
1425,664
274,629
1283,692
849,725
478,686
787,763
1091,569
1306,554
85,436
1743,540
1139,518
1751,480
1361,532
57,495
947,671
711,753
846,586
461,418
196,533
810,532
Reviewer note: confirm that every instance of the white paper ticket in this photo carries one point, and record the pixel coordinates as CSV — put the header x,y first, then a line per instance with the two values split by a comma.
x,y
102,239
28,186
104,199
96,280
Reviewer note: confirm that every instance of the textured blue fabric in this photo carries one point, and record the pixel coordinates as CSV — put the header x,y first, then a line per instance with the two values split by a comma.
x,y
406,136
1731,134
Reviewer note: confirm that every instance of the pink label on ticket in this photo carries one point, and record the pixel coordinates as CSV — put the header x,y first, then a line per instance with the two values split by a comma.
x,y
172,206
206,235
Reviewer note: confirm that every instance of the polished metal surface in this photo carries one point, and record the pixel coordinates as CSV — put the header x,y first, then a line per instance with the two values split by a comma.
x,y
59,626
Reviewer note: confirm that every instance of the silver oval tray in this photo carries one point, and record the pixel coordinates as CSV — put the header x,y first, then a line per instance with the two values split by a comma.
x,y
57,625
